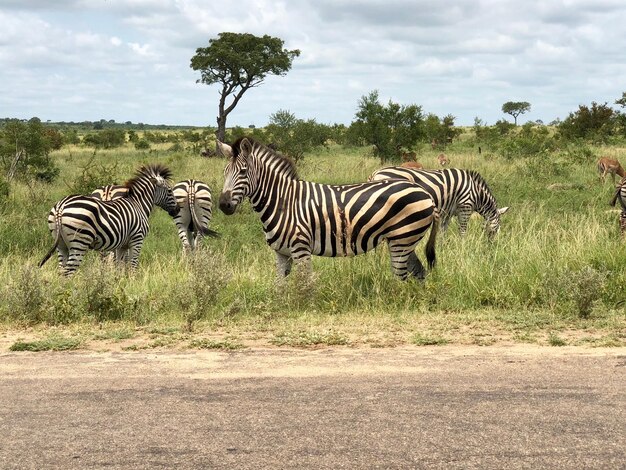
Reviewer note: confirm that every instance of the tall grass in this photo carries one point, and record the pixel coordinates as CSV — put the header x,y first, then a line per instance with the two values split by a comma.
x,y
558,258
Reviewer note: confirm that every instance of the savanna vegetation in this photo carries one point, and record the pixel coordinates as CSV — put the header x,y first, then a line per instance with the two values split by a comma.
x,y
554,275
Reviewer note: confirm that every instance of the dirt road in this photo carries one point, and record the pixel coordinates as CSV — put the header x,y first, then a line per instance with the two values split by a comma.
x,y
409,407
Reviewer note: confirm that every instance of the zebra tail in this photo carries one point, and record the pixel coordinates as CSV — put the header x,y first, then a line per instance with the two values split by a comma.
x,y
54,247
430,245
211,233
614,200
207,232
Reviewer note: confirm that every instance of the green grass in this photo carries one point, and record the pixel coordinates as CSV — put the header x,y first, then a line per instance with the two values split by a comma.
x,y
51,343
557,265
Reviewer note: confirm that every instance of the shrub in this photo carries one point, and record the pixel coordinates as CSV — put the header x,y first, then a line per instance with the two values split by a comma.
x,y
209,273
142,144
93,175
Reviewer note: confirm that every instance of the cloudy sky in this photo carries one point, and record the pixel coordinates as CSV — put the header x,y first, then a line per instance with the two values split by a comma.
x,y
75,60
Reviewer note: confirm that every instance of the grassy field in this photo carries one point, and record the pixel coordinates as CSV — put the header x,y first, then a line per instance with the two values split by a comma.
x,y
556,274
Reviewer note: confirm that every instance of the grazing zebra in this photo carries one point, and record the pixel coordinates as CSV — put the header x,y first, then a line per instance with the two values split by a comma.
x,y
302,218
194,199
608,165
620,193
80,223
455,192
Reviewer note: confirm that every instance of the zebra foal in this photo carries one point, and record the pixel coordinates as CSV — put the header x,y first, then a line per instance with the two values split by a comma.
x,y
81,223
455,192
302,218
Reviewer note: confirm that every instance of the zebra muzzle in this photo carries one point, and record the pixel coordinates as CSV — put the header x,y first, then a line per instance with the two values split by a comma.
x,y
227,206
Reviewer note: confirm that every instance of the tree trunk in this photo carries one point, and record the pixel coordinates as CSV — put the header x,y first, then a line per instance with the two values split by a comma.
x,y
220,133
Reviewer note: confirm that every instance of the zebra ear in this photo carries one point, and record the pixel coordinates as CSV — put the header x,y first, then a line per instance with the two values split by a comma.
x,y
226,149
245,146
502,210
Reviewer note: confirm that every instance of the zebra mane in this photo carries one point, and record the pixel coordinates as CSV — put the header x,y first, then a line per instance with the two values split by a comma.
x,y
286,164
478,179
151,170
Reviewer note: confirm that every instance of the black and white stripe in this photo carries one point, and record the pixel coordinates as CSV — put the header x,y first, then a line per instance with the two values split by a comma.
x,y
620,195
302,218
455,192
196,209
109,192
81,223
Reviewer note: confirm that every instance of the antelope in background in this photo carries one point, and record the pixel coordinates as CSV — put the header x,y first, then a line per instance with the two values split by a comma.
x,y
608,165
409,160
443,160
414,165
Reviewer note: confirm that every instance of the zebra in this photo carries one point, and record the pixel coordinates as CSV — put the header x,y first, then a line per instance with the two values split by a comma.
x,y
79,223
194,199
303,218
620,193
455,192
192,225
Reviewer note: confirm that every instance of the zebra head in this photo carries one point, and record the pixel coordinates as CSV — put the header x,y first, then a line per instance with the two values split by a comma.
x,y
493,222
164,198
154,179
236,181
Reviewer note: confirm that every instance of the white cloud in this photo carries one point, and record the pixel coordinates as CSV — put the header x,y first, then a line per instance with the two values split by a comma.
x,y
464,58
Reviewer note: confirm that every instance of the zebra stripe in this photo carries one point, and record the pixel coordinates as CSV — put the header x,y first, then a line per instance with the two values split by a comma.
x,y
109,192
196,209
455,192
620,195
80,223
302,218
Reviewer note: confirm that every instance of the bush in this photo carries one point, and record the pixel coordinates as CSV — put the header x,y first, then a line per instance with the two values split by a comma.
x,y
142,144
209,273
93,175
25,149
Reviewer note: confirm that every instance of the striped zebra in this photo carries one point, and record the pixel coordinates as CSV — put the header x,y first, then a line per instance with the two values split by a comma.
x,y
80,223
302,218
455,192
192,225
620,194
196,209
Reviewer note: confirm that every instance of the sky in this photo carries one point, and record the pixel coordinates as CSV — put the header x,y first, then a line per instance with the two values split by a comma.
x,y
129,60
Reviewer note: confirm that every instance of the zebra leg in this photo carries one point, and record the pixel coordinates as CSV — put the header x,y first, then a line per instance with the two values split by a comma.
x,y
184,236
622,224
283,265
400,259
415,266
63,255
133,253
464,214
75,259
197,239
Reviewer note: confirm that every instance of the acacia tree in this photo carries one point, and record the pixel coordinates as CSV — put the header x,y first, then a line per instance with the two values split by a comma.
x,y
515,108
239,61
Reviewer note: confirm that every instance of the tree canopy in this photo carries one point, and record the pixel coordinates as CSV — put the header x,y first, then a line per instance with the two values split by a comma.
x,y
388,128
515,108
238,62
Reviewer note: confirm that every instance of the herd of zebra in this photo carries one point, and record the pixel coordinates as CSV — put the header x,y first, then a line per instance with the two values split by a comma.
x,y
300,218
114,218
